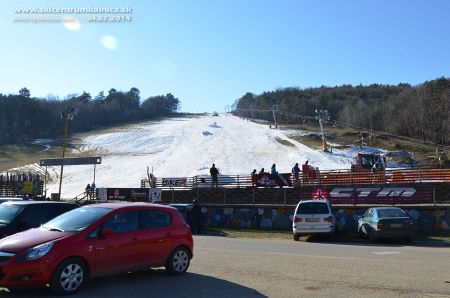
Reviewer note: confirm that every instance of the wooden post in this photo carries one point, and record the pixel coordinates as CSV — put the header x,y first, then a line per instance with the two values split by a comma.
x,y
253,196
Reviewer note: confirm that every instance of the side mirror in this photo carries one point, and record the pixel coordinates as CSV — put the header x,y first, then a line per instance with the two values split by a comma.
x,y
106,232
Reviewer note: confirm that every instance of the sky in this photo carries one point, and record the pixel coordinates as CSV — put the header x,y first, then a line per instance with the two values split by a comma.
x,y
210,53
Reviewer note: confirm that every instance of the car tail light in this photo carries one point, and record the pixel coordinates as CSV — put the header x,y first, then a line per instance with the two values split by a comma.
x,y
411,223
380,225
328,219
297,219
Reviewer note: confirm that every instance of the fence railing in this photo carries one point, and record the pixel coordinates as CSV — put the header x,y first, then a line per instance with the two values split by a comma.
x,y
333,177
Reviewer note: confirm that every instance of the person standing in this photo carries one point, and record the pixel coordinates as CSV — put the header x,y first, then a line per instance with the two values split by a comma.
x,y
296,174
273,170
92,192
87,190
305,172
214,173
196,214
254,178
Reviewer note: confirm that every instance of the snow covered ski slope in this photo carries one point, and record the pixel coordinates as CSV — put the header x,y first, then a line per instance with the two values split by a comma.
x,y
185,147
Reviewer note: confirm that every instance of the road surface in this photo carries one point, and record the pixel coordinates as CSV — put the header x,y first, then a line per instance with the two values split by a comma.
x,y
239,267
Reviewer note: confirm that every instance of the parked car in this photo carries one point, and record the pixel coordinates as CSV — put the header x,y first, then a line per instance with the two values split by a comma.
x,y
8,199
313,217
94,240
184,209
386,222
19,215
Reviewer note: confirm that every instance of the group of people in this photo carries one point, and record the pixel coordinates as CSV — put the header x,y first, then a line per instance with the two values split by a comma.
x,y
214,172
273,173
89,191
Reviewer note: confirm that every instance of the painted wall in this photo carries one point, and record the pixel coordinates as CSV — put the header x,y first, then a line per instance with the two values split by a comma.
x,y
434,219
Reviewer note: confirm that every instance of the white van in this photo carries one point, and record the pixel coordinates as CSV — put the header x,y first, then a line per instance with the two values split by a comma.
x,y
313,217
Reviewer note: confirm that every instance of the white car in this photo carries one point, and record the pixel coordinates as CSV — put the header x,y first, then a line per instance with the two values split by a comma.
x,y
313,217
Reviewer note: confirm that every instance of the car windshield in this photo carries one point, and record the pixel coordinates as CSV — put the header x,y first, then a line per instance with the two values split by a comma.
x,y
9,212
385,213
77,219
313,208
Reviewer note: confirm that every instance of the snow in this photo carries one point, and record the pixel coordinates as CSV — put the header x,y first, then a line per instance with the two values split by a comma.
x,y
186,147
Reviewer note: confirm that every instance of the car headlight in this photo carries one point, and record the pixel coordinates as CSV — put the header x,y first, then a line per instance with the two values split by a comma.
x,y
37,252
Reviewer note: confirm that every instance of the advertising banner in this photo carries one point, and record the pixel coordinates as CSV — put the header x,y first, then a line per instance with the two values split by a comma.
x,y
174,182
395,194
129,194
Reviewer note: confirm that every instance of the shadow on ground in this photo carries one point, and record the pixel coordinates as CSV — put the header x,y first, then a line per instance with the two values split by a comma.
x,y
150,283
421,240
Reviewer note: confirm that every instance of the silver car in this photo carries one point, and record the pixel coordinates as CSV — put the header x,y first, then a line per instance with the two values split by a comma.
x,y
386,222
313,217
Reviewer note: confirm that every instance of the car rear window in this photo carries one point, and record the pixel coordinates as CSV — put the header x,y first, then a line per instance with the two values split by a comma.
x,y
313,208
9,212
385,213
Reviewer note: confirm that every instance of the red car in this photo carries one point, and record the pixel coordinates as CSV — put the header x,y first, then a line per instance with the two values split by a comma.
x,y
96,240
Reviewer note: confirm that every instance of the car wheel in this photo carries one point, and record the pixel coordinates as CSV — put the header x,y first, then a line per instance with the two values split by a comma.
x,y
296,237
178,261
68,277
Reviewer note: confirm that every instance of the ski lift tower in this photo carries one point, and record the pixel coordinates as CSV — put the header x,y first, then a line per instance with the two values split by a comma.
x,y
322,116
274,109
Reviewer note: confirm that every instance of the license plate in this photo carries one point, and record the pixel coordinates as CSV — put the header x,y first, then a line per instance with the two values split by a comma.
x,y
397,225
312,219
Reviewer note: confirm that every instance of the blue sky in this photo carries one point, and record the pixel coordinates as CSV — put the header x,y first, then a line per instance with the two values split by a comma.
x,y
209,53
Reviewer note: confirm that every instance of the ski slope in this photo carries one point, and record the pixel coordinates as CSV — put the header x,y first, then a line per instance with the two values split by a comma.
x,y
185,147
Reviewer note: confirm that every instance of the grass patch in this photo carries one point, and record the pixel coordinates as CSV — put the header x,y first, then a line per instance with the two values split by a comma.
x,y
12,156
250,233
284,142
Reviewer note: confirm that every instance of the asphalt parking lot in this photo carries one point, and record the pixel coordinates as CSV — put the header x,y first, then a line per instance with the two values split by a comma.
x,y
240,267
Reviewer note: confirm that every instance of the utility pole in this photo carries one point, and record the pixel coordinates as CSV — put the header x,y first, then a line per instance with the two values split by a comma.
x,y
67,116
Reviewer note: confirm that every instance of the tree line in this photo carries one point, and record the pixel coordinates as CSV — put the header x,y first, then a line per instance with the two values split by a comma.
x,y
421,112
23,117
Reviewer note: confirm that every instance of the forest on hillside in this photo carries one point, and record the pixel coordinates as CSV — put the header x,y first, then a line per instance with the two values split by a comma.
x,y
23,117
421,112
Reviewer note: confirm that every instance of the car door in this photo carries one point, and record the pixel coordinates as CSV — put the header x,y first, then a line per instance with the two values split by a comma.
x,y
121,250
157,237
